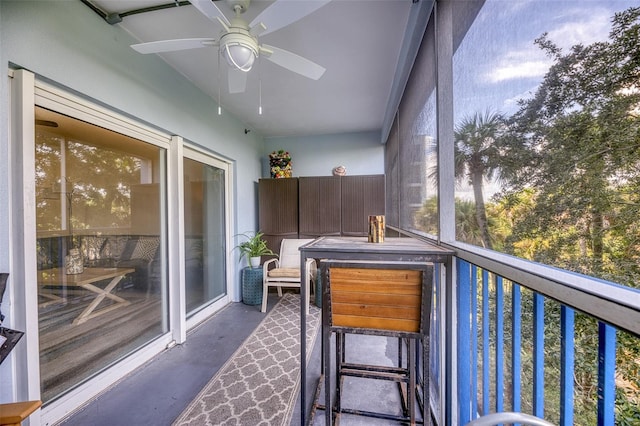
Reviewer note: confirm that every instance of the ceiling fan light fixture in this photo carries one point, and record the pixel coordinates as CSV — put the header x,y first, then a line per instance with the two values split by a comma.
x,y
239,56
239,48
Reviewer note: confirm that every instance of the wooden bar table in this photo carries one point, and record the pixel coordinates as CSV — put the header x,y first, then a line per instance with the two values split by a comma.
x,y
358,248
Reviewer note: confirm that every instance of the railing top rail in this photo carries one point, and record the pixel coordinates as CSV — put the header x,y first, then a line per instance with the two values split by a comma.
x,y
608,301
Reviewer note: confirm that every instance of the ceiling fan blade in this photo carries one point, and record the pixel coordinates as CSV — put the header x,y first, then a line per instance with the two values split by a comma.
x,y
171,45
237,80
284,12
210,10
293,62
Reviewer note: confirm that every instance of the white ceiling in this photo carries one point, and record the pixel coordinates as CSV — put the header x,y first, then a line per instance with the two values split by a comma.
x,y
357,41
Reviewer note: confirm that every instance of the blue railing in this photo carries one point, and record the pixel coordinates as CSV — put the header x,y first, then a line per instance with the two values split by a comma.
x,y
516,350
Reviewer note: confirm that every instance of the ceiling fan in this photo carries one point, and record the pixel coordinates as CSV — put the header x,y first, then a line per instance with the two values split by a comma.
x,y
238,41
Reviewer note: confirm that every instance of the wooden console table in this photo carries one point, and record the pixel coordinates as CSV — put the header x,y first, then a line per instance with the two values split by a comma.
x,y
85,280
358,248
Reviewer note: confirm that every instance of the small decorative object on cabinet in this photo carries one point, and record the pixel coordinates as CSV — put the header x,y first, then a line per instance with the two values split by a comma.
x,y
252,286
339,171
280,163
254,247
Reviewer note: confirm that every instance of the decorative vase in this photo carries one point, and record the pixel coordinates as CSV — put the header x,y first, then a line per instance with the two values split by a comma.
x,y
254,261
73,262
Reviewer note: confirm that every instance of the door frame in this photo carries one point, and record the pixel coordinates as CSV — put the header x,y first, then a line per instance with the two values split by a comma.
x,y
194,153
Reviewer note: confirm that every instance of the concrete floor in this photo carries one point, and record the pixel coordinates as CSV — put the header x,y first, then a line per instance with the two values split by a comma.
x,y
158,392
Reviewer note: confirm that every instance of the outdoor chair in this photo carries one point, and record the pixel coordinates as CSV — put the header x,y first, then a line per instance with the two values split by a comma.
x,y
285,270
391,299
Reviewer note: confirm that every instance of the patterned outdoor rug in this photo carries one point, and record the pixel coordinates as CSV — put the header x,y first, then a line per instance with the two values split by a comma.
x,y
259,384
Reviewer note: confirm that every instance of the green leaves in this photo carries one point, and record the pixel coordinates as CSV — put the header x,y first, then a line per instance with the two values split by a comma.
x,y
254,246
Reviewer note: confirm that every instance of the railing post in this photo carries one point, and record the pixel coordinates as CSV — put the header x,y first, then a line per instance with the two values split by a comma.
x,y
474,340
516,360
538,355
499,344
486,359
606,374
567,363
464,347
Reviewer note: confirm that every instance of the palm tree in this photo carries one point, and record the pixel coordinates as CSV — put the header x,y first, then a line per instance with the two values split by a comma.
x,y
466,223
476,158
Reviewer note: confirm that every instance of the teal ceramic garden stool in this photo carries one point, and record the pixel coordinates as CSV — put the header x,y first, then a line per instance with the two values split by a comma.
x,y
252,286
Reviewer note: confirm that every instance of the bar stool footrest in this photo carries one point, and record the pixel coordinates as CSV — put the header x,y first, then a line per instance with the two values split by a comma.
x,y
394,374
401,419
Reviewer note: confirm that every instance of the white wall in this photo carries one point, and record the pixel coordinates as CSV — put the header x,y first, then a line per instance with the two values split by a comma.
x,y
68,44
361,153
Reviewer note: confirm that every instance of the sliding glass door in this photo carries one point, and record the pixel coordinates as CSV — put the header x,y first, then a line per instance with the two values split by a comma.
x,y
100,220
205,224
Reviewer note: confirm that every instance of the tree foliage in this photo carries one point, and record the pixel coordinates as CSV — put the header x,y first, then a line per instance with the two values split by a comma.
x,y
97,185
573,181
576,142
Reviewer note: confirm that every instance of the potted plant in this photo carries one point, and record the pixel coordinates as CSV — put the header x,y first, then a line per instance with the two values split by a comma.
x,y
254,247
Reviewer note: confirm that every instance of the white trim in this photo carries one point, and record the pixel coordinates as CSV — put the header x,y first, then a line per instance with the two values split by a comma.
x,y
52,97
23,237
196,153
177,293
206,313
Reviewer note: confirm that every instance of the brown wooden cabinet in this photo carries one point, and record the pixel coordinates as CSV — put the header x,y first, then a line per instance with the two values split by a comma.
x,y
278,210
309,207
319,208
361,196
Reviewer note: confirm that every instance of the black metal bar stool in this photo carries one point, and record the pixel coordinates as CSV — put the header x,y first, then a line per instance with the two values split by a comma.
x,y
391,299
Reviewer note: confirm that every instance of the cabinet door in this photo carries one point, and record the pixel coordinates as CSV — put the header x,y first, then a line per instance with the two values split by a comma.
x,y
319,211
278,210
361,196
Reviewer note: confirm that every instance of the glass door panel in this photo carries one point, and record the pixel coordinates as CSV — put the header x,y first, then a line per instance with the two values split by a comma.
x,y
100,218
205,233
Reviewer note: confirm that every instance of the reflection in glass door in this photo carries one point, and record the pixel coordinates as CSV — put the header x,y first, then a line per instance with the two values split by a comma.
x,y
100,226
205,236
